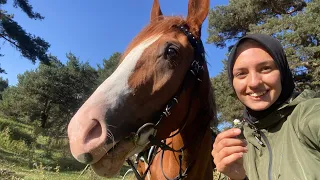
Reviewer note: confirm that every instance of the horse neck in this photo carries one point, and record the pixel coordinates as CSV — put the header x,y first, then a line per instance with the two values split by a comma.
x,y
196,138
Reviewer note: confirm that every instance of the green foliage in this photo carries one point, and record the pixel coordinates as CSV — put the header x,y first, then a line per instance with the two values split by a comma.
x,y
14,103
8,122
30,46
18,161
7,174
231,22
20,144
50,94
15,133
294,22
12,145
3,85
27,8
57,91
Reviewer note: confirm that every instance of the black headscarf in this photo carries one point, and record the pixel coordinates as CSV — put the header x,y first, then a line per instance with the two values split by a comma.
x,y
274,48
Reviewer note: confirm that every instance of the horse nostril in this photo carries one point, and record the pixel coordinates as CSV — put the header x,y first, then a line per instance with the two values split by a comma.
x,y
85,158
87,134
94,133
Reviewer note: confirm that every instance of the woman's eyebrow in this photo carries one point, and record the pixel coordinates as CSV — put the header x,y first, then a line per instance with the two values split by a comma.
x,y
239,69
267,62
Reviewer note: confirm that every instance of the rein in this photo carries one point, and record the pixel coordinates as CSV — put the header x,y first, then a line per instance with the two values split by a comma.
x,y
195,68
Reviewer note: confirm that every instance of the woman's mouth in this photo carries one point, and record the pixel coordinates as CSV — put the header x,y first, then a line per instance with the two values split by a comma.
x,y
258,95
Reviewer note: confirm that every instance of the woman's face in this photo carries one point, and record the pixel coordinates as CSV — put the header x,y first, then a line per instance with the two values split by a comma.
x,y
257,80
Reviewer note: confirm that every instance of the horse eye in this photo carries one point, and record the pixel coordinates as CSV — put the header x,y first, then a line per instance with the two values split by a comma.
x,y
171,52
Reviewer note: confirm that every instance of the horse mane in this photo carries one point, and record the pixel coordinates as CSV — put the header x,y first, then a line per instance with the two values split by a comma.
x,y
207,98
212,114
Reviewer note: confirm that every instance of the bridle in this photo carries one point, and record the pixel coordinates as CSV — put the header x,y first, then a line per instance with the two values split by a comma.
x,y
195,69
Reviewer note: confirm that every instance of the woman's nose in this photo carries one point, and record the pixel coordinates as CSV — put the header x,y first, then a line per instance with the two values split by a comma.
x,y
254,80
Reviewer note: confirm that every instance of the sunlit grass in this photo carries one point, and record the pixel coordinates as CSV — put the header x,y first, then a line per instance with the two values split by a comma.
x,y
40,160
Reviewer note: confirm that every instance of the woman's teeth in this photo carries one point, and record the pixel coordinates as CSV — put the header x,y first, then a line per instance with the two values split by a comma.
x,y
257,94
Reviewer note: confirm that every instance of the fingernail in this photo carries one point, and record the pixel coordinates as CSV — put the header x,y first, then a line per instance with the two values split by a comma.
x,y
245,149
241,154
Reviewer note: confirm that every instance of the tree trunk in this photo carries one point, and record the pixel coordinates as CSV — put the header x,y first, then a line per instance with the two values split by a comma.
x,y
45,113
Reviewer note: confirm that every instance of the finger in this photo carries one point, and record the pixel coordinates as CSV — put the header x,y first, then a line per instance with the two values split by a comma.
x,y
227,151
226,162
228,142
230,133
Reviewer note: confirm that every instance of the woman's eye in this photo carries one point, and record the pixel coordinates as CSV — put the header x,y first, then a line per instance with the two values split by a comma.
x,y
266,69
240,75
171,52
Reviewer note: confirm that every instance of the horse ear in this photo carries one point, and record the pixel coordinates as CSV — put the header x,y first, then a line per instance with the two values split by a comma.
x,y
156,13
197,13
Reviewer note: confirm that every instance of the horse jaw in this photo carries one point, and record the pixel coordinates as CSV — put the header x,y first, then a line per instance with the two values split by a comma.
x,y
110,164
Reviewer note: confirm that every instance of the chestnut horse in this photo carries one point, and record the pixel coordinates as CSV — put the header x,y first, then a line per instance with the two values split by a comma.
x,y
160,95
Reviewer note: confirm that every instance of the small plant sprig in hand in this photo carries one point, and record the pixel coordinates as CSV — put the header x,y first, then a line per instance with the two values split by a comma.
x,y
239,124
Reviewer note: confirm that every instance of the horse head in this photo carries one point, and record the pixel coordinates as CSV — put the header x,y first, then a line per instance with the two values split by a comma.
x,y
148,94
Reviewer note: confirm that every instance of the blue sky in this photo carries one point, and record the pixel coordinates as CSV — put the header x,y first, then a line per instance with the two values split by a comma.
x,y
93,31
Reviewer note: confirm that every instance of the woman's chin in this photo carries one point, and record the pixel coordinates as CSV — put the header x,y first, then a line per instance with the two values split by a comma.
x,y
259,106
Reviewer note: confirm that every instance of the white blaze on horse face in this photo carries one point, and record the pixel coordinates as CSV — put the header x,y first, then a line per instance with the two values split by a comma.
x,y
116,87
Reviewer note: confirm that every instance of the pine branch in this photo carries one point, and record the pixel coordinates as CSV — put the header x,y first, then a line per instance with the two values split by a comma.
x,y
10,41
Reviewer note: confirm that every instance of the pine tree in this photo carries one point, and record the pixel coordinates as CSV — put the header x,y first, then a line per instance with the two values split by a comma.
x,y
30,46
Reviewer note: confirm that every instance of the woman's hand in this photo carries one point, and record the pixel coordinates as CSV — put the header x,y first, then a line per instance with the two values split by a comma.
x,y
228,154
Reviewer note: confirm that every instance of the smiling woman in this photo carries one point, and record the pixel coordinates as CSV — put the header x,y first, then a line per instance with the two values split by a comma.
x,y
281,126
256,81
